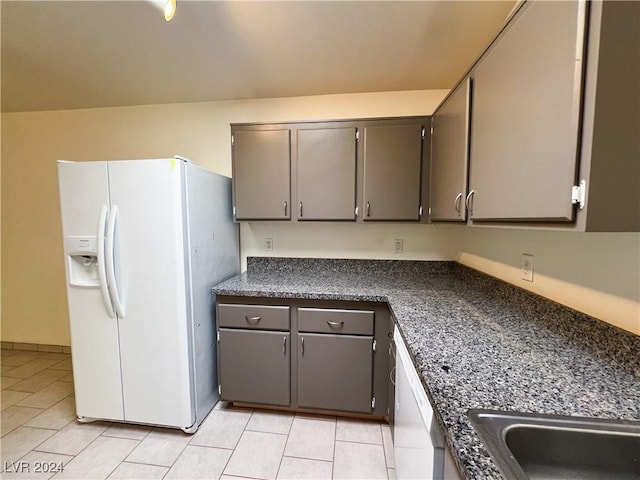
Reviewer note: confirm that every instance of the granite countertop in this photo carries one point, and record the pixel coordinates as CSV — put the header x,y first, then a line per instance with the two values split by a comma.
x,y
476,342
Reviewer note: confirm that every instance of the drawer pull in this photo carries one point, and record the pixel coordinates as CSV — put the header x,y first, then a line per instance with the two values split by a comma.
x,y
253,319
335,324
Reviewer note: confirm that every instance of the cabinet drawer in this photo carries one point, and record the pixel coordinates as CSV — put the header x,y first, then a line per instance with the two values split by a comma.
x,y
329,320
261,317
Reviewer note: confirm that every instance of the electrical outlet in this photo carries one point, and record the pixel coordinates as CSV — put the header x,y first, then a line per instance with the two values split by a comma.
x,y
527,267
398,246
268,244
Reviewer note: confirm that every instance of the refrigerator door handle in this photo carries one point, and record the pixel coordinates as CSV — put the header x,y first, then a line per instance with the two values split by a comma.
x,y
102,271
110,257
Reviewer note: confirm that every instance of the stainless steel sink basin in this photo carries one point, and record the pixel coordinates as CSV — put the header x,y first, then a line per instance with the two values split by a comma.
x,y
531,446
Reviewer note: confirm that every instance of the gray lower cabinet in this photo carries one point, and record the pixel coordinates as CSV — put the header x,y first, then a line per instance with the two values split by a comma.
x,y
304,354
335,372
335,359
326,162
392,171
261,161
450,156
254,366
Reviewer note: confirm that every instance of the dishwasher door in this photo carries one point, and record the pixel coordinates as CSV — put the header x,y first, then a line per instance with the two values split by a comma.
x,y
418,442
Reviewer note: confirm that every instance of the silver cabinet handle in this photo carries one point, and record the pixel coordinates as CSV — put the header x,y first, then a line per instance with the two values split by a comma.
x,y
300,209
285,208
302,347
468,203
368,209
356,211
335,324
253,319
284,345
392,376
456,203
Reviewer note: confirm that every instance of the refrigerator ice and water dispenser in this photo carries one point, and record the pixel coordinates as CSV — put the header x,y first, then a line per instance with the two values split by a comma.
x,y
82,257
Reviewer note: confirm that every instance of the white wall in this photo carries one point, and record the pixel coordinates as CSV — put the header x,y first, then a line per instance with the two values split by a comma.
x,y
349,240
595,273
34,308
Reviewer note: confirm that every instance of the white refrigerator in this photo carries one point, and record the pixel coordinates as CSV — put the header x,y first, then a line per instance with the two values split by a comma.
x,y
144,242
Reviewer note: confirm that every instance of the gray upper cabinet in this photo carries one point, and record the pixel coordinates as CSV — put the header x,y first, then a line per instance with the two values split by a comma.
x,y
392,171
526,116
326,163
338,170
261,174
450,156
611,120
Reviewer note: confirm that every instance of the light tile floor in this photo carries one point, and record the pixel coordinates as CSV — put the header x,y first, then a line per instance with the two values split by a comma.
x,y
39,431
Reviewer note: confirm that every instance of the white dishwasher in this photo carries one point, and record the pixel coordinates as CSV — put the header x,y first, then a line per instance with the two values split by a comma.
x,y
418,442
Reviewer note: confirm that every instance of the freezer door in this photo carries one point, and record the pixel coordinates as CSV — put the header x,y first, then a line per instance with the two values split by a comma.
x,y
150,271
94,330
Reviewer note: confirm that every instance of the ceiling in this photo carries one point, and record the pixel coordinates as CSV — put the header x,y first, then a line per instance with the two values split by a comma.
x,y
84,54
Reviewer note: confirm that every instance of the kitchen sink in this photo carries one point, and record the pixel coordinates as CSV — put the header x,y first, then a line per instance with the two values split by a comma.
x,y
535,446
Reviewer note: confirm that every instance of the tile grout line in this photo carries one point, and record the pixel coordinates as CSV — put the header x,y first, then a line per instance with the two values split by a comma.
x,y
333,460
177,457
384,450
246,428
226,464
285,445
33,449
58,453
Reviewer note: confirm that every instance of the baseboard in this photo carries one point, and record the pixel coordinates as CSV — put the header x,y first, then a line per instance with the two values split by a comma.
x,y
35,347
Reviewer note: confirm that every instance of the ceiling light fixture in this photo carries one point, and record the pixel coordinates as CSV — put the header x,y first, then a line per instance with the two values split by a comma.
x,y
168,7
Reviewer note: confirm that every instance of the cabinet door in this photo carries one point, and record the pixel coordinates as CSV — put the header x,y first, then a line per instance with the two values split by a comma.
x,y
326,163
335,372
450,156
392,168
254,366
261,174
525,116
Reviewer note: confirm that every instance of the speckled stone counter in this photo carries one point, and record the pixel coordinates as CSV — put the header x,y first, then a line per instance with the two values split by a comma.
x,y
476,341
